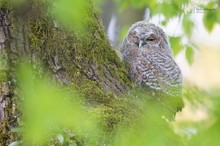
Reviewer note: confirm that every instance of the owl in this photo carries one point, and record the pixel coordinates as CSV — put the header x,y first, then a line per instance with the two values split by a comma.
x,y
149,59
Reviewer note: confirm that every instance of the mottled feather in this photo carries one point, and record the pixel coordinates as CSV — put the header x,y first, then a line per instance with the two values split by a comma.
x,y
149,60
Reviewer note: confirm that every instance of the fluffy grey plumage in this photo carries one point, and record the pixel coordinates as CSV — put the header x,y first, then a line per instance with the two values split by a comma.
x,y
149,59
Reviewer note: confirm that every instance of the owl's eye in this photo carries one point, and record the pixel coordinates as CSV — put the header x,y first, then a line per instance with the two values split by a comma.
x,y
150,39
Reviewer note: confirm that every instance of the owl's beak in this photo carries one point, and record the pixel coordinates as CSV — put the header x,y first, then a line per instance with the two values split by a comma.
x,y
140,43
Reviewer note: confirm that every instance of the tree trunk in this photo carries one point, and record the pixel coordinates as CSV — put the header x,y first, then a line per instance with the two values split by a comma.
x,y
87,62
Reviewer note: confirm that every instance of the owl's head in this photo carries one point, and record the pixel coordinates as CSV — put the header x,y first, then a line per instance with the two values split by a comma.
x,y
148,36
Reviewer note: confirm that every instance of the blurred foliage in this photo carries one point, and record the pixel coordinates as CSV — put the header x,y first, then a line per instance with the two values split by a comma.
x,y
51,112
148,129
189,54
73,13
187,25
48,108
207,137
181,9
212,15
208,131
175,44
124,32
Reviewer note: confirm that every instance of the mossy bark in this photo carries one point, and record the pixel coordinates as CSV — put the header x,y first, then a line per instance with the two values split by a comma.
x,y
87,62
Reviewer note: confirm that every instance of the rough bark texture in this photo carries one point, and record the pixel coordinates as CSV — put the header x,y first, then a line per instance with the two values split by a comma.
x,y
8,106
88,61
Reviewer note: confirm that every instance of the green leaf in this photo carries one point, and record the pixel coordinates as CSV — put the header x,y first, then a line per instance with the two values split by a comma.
x,y
180,3
187,25
167,9
218,15
138,4
144,131
209,136
185,1
189,54
175,44
209,20
164,23
211,16
47,107
73,14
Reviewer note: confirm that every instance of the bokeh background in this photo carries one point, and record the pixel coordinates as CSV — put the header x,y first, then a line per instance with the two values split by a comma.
x,y
194,32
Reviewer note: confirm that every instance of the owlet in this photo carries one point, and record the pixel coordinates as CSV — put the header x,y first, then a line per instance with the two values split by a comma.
x,y
149,59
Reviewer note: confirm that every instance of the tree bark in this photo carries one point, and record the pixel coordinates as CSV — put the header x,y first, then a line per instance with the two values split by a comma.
x,y
89,63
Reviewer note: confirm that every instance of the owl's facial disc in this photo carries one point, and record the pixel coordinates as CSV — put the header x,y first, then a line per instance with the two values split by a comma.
x,y
141,37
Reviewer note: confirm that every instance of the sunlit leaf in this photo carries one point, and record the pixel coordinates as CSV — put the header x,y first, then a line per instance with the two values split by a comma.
x,y
47,108
139,4
167,9
187,25
211,16
164,23
209,20
178,2
189,54
150,130
73,13
209,136
175,44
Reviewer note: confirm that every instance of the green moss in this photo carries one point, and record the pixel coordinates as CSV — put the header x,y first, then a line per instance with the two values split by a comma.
x,y
3,77
76,50
4,4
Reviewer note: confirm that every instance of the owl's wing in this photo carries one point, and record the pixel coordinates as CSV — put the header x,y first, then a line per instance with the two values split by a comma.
x,y
170,80
169,76
147,74
163,75
160,73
